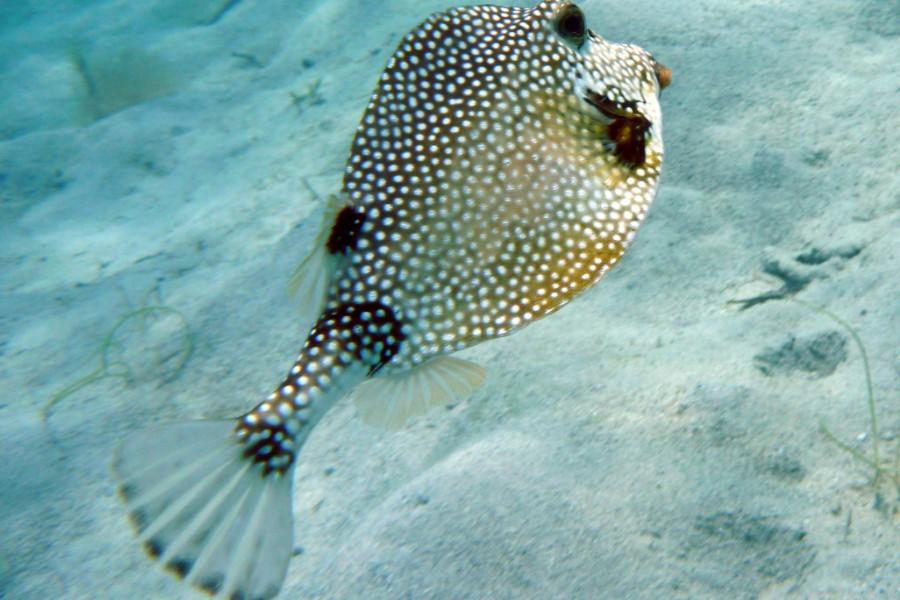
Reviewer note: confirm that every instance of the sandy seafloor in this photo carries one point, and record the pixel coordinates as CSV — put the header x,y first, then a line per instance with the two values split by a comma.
x,y
649,441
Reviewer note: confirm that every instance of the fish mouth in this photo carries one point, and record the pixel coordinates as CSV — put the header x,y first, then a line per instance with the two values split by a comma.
x,y
626,131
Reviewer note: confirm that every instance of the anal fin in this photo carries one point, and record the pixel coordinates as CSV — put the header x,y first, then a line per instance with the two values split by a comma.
x,y
389,400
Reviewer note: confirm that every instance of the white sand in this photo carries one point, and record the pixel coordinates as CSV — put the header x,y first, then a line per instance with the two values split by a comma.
x,y
630,446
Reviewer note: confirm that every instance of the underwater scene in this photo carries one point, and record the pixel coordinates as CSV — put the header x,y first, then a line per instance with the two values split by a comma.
x,y
297,299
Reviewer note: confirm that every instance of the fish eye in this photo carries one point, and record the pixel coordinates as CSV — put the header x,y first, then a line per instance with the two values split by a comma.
x,y
570,24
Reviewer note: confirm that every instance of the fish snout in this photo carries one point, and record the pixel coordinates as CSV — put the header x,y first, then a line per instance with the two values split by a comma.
x,y
663,75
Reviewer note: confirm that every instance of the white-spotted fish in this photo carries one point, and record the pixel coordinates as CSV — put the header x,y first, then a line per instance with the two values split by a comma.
x,y
502,166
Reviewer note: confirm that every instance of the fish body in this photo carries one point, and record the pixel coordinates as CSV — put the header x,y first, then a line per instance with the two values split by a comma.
x,y
484,179
501,167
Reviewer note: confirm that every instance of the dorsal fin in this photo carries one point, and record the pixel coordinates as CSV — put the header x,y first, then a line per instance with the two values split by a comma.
x,y
389,400
312,277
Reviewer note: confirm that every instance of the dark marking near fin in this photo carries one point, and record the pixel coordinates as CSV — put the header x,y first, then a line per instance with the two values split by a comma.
x,y
627,131
268,447
139,519
180,566
628,135
345,230
127,491
212,584
372,327
153,548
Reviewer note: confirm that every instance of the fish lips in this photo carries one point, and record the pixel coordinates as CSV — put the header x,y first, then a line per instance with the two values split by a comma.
x,y
663,75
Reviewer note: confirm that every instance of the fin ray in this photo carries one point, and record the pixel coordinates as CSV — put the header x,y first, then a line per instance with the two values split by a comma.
x,y
216,536
239,560
202,517
389,400
191,489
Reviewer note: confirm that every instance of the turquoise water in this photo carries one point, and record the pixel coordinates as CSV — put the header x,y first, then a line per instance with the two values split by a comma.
x,y
162,167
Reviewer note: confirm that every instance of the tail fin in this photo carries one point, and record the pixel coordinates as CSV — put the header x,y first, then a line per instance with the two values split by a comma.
x,y
207,512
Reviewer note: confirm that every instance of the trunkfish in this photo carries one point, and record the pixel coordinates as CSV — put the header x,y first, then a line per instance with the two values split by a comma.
x,y
502,166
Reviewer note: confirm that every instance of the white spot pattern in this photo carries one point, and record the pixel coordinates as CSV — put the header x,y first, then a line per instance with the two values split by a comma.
x,y
502,166
490,191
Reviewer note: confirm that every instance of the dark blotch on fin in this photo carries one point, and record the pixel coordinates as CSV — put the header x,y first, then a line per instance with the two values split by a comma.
x,y
126,491
211,584
180,566
153,548
139,519
345,230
